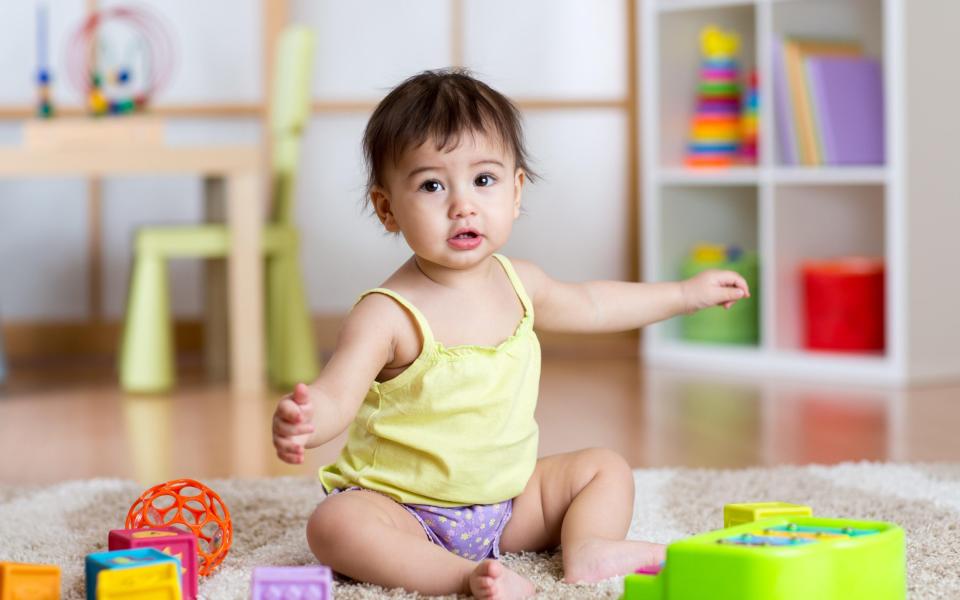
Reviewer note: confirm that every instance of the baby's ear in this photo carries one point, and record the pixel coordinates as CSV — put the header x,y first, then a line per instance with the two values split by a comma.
x,y
519,179
381,204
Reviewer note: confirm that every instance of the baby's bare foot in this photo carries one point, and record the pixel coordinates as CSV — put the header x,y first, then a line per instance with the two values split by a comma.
x,y
597,559
493,581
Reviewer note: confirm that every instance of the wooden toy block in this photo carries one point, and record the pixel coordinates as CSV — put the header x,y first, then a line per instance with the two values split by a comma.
x,y
141,573
29,582
292,583
738,514
182,545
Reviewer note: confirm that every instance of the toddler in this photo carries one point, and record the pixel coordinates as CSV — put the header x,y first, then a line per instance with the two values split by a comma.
x,y
436,372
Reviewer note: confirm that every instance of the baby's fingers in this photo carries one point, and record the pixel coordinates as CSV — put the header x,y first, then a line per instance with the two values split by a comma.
x,y
288,450
736,281
301,394
293,459
289,411
285,429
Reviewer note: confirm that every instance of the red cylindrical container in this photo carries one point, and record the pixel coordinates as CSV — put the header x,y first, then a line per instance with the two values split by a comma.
x,y
844,304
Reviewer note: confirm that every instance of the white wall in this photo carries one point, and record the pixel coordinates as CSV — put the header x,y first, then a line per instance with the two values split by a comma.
x,y
574,222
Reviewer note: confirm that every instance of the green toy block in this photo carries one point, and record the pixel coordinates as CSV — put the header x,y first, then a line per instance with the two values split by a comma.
x,y
782,558
737,514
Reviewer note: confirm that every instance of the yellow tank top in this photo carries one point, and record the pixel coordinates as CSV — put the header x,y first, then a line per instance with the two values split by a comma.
x,y
456,427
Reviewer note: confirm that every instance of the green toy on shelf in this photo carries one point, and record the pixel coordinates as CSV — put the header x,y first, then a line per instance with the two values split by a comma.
x,y
739,324
786,557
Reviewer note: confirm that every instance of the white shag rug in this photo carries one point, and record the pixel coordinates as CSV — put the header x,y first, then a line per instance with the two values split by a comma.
x,y
60,524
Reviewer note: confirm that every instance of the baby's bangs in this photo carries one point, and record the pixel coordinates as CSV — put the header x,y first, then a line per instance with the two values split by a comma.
x,y
449,115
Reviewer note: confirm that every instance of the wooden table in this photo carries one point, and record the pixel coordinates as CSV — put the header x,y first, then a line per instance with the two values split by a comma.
x,y
238,169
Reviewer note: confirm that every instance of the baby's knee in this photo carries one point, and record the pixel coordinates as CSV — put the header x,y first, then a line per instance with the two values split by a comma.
x,y
606,462
323,527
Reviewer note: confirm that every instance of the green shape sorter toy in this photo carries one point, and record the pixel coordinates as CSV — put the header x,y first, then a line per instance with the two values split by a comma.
x,y
781,558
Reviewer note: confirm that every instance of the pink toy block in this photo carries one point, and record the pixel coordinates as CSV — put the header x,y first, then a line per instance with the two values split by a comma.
x,y
292,583
169,540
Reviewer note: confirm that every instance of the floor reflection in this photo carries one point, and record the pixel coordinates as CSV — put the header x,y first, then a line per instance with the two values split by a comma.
x,y
696,420
148,425
703,423
56,426
830,426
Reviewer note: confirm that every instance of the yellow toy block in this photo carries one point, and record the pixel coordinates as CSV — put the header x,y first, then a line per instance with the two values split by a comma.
x,y
160,581
738,514
29,582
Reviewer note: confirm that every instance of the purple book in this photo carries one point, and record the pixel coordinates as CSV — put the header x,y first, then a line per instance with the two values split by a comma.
x,y
786,135
847,95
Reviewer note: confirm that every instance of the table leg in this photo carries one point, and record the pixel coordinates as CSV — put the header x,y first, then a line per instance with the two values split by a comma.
x,y
244,216
215,322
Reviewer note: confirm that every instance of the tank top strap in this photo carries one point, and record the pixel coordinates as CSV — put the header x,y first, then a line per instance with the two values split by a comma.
x,y
425,330
517,284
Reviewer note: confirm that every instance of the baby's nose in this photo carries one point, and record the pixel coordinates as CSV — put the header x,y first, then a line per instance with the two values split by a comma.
x,y
462,205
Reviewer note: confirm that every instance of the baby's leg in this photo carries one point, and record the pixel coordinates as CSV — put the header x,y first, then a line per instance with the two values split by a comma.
x,y
584,502
371,538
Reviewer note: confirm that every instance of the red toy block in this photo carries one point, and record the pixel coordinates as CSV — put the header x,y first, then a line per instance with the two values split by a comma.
x,y
36,582
169,540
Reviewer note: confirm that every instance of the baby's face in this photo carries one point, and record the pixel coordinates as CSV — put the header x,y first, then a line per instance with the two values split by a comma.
x,y
455,207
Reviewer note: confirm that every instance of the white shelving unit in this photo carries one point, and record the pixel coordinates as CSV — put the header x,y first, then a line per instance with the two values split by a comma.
x,y
906,211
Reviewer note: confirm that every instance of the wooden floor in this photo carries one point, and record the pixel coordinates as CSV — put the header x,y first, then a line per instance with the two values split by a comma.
x,y
69,421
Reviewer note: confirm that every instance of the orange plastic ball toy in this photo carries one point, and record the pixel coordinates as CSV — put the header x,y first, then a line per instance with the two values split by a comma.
x,y
191,506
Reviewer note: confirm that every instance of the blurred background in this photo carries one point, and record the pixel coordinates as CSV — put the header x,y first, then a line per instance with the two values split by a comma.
x,y
120,119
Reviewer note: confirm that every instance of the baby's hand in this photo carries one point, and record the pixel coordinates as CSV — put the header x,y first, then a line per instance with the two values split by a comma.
x,y
293,424
712,288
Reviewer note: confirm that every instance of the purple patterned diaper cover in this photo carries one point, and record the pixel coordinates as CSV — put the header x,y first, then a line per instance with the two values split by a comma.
x,y
472,532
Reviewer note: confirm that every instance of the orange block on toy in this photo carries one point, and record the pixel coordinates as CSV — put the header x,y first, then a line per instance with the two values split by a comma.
x,y
189,506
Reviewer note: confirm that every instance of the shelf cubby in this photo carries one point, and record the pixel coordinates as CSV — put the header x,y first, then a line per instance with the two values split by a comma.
x,y
817,222
854,20
679,67
694,214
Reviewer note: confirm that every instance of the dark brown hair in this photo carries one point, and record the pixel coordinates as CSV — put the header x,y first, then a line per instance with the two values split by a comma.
x,y
441,104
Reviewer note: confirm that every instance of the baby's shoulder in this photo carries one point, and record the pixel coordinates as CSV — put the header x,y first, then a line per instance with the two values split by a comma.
x,y
381,316
377,308
385,313
531,275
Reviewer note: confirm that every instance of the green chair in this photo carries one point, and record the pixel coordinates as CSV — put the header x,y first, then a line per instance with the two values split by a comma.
x,y
146,355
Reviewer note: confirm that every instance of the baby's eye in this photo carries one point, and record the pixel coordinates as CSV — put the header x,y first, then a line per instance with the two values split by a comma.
x,y
484,180
431,185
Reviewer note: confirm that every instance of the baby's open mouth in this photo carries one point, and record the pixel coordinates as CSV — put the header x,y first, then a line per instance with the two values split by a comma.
x,y
465,239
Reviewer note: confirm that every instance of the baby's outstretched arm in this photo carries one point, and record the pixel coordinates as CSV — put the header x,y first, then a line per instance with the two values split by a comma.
x,y
314,414
606,306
